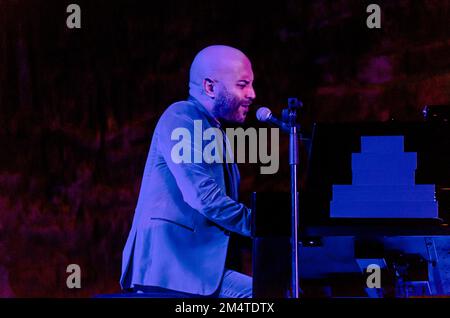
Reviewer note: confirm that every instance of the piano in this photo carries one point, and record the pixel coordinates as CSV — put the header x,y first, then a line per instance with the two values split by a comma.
x,y
376,194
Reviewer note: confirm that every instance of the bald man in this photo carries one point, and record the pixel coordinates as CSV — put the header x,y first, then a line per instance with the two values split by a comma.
x,y
186,210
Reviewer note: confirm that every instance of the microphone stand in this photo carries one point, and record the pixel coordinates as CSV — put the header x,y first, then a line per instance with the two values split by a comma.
x,y
289,125
294,161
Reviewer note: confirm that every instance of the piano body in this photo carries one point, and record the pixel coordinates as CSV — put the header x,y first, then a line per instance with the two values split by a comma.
x,y
376,200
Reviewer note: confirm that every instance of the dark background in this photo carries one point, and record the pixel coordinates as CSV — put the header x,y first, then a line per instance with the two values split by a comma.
x,y
78,107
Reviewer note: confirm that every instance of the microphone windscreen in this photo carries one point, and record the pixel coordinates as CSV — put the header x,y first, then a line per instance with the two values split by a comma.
x,y
263,114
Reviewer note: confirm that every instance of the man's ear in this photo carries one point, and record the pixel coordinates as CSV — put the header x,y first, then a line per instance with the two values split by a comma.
x,y
208,87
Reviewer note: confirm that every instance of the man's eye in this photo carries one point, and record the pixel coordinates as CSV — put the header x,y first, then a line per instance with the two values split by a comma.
x,y
241,85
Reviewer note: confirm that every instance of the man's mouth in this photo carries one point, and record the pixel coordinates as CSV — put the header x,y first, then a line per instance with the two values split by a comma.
x,y
245,108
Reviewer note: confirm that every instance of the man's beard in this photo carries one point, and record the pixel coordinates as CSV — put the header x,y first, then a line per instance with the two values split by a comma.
x,y
226,107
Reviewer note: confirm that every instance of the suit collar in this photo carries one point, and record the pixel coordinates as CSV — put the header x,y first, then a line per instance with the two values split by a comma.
x,y
214,122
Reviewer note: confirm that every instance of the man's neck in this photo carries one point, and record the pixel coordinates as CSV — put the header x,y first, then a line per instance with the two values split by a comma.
x,y
207,109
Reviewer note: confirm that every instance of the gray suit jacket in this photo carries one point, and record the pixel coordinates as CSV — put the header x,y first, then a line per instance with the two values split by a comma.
x,y
180,231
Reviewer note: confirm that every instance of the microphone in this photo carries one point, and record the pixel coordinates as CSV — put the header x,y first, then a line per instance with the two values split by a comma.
x,y
265,115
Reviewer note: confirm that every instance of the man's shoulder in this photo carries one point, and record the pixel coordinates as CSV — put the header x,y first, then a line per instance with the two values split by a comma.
x,y
181,108
184,111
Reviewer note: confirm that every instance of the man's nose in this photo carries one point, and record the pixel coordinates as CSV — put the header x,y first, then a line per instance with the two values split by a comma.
x,y
251,94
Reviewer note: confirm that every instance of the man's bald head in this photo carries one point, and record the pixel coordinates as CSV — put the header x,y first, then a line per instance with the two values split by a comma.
x,y
221,78
214,62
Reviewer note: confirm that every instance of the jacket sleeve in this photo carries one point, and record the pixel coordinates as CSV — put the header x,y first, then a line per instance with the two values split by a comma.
x,y
196,180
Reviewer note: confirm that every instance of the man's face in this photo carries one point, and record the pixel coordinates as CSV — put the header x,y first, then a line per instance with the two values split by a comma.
x,y
235,93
